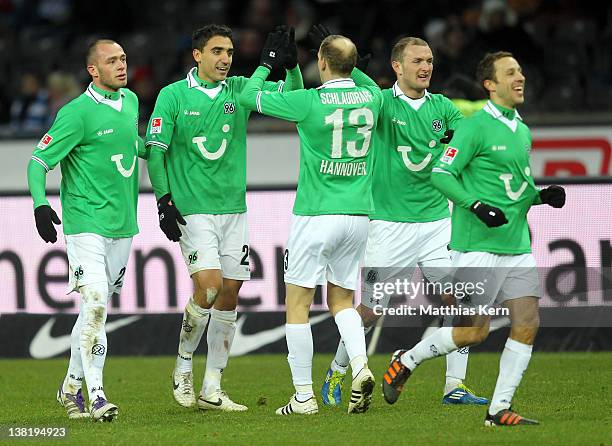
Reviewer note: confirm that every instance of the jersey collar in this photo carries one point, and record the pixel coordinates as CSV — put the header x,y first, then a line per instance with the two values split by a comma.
x,y
192,82
492,109
414,103
98,98
339,83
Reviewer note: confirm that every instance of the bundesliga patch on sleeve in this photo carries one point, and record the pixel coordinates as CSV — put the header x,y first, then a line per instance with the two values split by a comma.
x,y
156,125
44,141
449,155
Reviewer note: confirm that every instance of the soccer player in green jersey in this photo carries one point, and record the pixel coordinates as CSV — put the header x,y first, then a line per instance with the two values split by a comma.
x,y
329,227
410,225
485,172
197,166
95,139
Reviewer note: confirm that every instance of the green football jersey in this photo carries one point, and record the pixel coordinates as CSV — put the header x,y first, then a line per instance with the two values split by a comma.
x,y
202,130
407,145
489,156
95,140
335,123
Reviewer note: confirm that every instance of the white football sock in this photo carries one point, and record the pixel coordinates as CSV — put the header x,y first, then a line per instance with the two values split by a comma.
x,y
341,361
92,339
220,336
75,375
456,367
513,363
195,319
299,345
351,330
439,343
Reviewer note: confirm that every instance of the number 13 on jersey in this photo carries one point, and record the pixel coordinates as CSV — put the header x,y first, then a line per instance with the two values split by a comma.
x,y
354,122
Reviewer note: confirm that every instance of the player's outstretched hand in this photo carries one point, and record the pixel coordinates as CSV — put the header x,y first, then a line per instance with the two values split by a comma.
x,y
316,35
363,61
491,216
272,53
45,217
290,53
169,217
448,135
553,196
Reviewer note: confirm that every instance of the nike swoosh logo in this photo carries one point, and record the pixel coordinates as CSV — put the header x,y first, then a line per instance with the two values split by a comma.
x,y
218,403
496,324
45,345
246,343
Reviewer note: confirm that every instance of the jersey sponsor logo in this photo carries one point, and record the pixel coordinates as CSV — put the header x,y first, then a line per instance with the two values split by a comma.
x,y
449,155
409,164
156,125
394,120
105,132
191,113
200,140
498,148
436,125
229,108
507,177
44,141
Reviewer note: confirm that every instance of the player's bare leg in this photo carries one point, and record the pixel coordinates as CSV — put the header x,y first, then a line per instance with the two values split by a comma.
x,y
219,338
524,314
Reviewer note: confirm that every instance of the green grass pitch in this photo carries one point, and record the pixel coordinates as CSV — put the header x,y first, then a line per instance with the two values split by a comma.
x,y
568,392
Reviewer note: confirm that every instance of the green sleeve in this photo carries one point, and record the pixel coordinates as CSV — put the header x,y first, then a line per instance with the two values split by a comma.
x,y
453,114
163,118
452,189
37,178
156,166
291,106
142,150
293,79
456,157
64,135
362,80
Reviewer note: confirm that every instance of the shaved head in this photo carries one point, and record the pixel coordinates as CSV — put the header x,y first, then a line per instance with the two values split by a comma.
x,y
339,53
92,50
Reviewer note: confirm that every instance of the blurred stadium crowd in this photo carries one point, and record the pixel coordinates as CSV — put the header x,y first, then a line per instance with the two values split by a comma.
x,y
563,45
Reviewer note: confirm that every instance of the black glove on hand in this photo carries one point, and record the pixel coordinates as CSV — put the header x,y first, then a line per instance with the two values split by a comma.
x,y
448,135
45,216
316,35
290,52
169,217
553,196
272,53
491,216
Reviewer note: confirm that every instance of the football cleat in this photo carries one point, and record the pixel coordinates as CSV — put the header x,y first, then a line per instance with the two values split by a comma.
x,y
102,410
331,392
361,391
308,407
507,417
73,403
182,388
219,401
395,377
463,395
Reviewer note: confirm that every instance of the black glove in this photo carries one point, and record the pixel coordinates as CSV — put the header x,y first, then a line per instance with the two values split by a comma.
x,y
290,56
553,196
316,35
491,216
448,135
272,53
45,216
169,217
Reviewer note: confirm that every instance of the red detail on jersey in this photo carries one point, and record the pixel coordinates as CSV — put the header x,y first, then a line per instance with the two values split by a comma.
x,y
45,141
451,152
156,125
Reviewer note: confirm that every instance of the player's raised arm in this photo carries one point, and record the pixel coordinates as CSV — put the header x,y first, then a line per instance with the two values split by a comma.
x,y
292,106
65,134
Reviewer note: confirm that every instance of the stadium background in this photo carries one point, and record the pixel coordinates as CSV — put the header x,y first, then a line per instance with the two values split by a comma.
x,y
563,46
